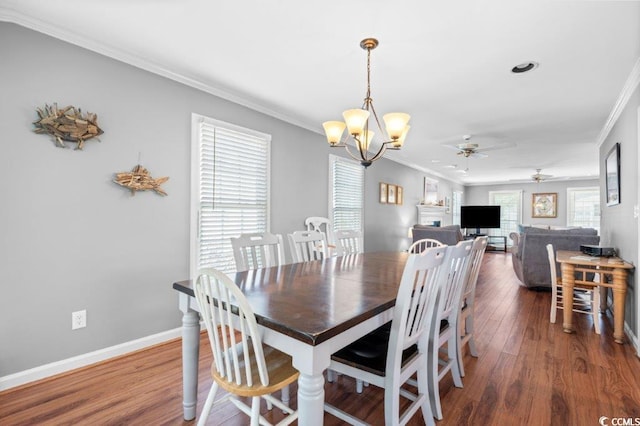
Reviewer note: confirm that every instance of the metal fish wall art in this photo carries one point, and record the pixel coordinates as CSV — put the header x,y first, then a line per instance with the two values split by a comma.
x,y
67,124
139,179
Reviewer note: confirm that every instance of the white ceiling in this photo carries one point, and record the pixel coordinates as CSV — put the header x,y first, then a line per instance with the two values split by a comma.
x,y
447,63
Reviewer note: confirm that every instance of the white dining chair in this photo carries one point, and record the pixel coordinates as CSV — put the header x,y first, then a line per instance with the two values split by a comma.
x,y
257,250
307,245
389,356
444,327
324,225
242,365
585,298
348,242
467,304
421,245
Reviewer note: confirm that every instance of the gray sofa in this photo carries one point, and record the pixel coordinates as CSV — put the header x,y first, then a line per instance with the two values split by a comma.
x,y
449,235
529,251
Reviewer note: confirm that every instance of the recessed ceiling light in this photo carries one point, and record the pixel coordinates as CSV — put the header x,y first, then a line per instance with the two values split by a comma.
x,y
524,67
451,166
435,161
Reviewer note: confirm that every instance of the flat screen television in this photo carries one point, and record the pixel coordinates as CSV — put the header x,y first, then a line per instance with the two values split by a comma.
x,y
479,217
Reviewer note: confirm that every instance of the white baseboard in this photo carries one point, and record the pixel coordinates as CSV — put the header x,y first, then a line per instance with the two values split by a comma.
x,y
48,370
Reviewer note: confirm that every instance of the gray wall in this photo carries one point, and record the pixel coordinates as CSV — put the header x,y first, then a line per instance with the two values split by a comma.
x,y
478,195
72,239
388,225
619,227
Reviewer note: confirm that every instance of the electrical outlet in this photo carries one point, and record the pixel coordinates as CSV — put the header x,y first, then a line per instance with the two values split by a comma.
x,y
78,319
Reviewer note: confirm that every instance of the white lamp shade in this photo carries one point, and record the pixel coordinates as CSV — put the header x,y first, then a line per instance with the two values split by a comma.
x,y
363,144
396,122
333,130
400,142
356,120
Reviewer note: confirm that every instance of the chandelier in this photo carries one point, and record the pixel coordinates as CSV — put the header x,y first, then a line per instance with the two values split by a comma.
x,y
357,123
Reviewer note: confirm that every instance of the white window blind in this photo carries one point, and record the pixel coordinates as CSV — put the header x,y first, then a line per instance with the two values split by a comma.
x,y
232,189
510,203
583,207
346,192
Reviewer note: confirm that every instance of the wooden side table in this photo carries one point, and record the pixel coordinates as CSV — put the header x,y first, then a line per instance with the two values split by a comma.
x,y
613,272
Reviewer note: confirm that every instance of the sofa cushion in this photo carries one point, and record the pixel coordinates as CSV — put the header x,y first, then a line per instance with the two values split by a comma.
x,y
570,231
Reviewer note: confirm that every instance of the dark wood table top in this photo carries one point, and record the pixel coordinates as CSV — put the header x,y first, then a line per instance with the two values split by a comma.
x,y
314,301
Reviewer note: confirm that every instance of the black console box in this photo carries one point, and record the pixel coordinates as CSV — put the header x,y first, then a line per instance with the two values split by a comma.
x,y
597,250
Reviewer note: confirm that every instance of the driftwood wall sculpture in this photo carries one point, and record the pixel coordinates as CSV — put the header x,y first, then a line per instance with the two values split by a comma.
x,y
139,179
67,124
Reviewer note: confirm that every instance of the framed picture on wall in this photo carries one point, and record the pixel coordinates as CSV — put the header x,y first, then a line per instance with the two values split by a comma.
x,y
612,168
399,195
544,204
391,193
383,193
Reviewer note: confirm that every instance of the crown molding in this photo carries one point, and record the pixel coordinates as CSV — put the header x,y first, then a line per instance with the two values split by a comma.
x,y
12,16
629,87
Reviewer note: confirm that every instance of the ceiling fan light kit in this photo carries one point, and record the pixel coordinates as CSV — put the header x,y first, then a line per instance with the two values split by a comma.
x,y
356,121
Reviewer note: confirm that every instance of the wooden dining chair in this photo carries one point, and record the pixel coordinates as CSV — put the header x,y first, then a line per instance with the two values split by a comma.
x,y
585,299
389,356
348,242
467,304
421,245
307,245
444,326
257,250
242,365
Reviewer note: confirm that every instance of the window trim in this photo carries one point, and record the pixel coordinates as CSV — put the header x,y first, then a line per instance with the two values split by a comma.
x,y
520,193
196,120
578,189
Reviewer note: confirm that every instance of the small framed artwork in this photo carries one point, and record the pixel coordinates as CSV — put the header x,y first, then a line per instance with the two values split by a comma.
x,y
383,193
612,170
544,205
399,195
391,194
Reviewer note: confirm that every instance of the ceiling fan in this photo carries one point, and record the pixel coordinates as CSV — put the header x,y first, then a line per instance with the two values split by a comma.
x,y
539,177
468,149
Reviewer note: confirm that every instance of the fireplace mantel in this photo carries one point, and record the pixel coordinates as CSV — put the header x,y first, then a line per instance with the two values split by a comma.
x,y
428,214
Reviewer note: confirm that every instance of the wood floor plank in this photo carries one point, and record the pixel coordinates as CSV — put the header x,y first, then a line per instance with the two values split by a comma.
x,y
529,372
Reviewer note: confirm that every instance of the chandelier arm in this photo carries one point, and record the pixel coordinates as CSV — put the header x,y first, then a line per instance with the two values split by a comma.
x,y
383,133
355,157
380,152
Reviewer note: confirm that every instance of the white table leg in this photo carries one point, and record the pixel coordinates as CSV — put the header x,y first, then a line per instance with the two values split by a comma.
x,y
310,399
190,353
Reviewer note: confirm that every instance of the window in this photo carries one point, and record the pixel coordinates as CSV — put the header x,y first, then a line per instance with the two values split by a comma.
x,y
583,207
510,203
346,193
230,190
456,202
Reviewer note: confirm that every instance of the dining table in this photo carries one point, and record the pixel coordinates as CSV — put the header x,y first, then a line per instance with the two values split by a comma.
x,y
308,310
610,272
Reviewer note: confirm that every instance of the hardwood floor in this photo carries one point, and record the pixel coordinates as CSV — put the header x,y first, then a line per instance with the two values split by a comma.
x,y
528,373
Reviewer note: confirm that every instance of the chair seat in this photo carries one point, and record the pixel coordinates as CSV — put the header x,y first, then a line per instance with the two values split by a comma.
x,y
279,367
369,353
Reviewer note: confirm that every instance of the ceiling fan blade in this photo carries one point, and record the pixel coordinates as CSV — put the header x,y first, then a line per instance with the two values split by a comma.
x,y
478,155
453,147
497,146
